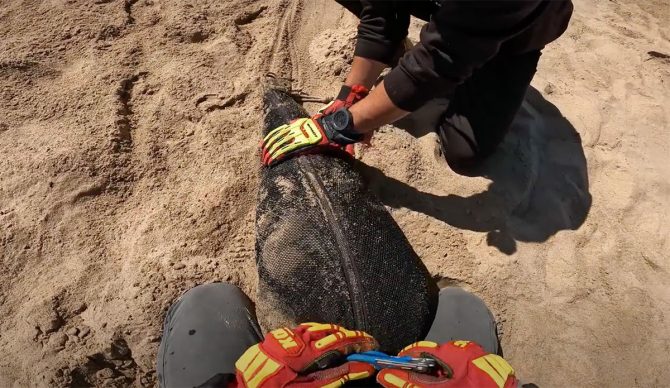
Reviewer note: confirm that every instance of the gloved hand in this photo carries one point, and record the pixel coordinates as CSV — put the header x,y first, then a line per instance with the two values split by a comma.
x,y
308,135
348,96
297,358
462,364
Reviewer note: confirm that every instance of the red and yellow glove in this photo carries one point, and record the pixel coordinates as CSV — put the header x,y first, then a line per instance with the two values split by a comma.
x,y
348,96
462,364
313,134
300,357
306,135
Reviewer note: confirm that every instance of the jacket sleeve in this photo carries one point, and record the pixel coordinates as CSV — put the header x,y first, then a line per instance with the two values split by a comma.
x,y
382,28
461,36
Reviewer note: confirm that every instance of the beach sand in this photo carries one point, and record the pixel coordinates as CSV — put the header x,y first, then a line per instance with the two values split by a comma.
x,y
129,170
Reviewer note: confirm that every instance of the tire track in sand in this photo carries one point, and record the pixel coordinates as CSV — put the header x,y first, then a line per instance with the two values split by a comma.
x,y
284,53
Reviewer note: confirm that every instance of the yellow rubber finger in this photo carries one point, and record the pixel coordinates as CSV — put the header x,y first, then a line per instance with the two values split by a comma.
x,y
422,344
274,132
272,162
287,138
287,146
281,146
268,154
332,339
353,333
347,372
317,327
358,376
496,367
461,344
390,378
344,379
279,138
328,340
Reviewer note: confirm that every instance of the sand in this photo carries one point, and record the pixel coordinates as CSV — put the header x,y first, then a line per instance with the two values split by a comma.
x,y
128,174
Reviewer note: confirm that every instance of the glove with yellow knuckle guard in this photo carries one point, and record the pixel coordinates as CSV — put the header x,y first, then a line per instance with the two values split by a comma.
x,y
302,358
462,364
309,135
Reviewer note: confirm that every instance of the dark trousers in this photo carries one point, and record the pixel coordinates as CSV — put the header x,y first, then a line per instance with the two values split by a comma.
x,y
482,109
210,326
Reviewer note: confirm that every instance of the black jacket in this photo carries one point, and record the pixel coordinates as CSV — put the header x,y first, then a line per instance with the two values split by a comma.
x,y
461,36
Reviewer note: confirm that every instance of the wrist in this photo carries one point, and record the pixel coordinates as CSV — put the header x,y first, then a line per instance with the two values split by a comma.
x,y
359,120
339,127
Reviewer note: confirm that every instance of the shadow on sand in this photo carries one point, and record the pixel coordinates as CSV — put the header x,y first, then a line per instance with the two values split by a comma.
x,y
539,183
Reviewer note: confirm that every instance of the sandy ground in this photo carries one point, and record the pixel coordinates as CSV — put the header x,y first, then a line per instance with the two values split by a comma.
x,y
128,174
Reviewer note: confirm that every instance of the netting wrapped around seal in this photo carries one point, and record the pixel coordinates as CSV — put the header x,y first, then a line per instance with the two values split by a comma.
x,y
328,250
